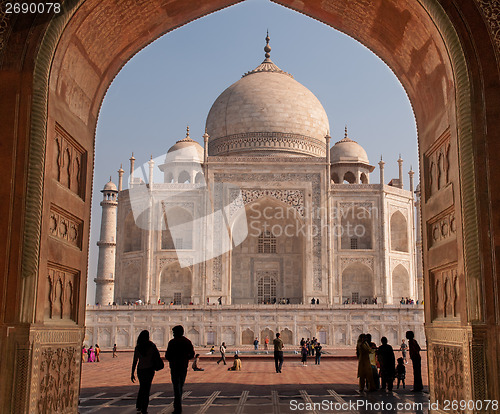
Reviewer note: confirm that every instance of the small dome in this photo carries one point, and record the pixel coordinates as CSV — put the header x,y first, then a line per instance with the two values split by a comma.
x,y
267,112
347,150
185,150
110,186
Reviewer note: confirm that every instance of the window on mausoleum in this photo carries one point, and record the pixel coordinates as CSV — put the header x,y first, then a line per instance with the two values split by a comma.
x,y
177,298
267,243
354,243
355,297
266,290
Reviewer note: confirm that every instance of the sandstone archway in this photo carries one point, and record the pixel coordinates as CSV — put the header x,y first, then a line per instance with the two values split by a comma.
x,y
55,70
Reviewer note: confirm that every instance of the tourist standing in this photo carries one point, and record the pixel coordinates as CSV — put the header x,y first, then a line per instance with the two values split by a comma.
x,y
266,343
373,361
146,355
97,351
179,351
304,351
256,344
403,349
365,374
222,350
416,361
278,353
386,359
318,353
114,351
84,353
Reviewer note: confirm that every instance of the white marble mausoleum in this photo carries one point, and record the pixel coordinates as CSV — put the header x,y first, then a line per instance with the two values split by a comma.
x,y
237,238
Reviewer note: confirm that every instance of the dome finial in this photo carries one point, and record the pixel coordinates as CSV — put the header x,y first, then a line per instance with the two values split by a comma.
x,y
187,131
267,48
345,132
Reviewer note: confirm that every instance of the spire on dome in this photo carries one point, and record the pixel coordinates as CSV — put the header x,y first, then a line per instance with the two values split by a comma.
x,y
267,48
267,65
346,137
187,138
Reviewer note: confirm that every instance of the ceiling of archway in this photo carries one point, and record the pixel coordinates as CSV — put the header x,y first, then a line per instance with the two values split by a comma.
x,y
103,35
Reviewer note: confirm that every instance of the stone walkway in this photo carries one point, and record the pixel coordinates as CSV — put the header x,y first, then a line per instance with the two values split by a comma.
x,y
106,388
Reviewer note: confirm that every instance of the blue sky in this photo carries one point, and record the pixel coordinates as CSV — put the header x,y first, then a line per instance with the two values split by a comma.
x,y
173,82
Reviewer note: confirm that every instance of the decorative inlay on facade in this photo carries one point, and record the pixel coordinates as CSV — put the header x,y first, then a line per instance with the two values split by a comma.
x,y
217,277
70,162
437,165
346,261
185,205
63,285
64,226
58,379
396,262
293,198
448,373
253,141
445,293
491,12
393,208
165,261
443,227
276,158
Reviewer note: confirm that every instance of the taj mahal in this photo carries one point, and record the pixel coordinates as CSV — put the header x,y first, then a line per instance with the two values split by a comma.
x,y
267,227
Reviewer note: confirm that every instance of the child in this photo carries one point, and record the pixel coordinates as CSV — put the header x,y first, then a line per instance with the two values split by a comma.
x,y
401,372
196,362
236,364
212,350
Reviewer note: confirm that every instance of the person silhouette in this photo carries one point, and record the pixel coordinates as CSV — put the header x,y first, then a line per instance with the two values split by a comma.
x,y
416,360
145,354
179,351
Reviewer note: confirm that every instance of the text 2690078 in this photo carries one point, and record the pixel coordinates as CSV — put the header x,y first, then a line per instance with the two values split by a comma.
x,y
32,7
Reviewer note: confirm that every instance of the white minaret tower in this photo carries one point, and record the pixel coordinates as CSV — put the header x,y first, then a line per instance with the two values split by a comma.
x,y
105,278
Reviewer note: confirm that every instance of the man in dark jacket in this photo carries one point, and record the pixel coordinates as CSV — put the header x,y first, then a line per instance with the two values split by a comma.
x,y
179,351
386,359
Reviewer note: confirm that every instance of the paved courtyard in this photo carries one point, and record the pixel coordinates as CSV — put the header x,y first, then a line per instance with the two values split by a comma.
x,y
106,388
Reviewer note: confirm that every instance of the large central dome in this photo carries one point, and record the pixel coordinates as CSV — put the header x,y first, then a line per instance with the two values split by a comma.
x,y
267,113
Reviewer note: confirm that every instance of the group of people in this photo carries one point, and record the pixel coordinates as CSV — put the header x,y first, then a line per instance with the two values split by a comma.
x,y
367,301
147,360
310,348
377,367
409,301
91,354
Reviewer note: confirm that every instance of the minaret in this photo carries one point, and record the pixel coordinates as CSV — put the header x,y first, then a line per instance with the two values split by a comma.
x,y
400,163
205,146
411,173
105,278
120,178
132,162
381,167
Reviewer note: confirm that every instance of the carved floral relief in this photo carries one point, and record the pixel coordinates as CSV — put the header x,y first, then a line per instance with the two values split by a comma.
x,y
437,165
445,294
70,162
448,373
58,379
62,290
